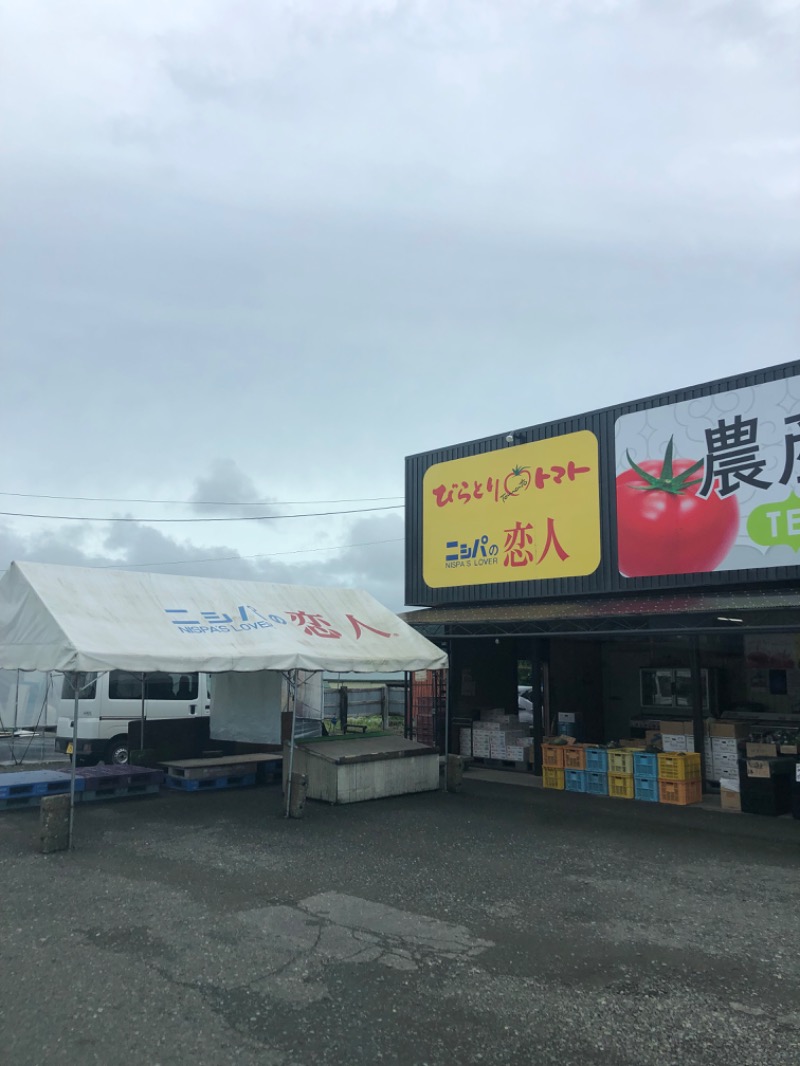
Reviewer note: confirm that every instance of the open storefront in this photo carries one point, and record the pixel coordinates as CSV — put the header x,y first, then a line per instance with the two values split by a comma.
x,y
626,577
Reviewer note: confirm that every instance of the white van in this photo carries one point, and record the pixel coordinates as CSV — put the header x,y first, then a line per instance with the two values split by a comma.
x,y
113,699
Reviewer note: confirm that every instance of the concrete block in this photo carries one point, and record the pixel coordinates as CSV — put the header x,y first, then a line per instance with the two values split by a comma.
x,y
297,800
455,772
54,824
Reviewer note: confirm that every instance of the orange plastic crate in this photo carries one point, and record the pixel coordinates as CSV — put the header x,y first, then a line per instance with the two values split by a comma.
x,y
620,761
621,786
553,755
574,757
680,792
552,777
679,766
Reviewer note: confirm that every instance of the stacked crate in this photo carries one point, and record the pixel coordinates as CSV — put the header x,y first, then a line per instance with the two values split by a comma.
x,y
645,776
553,765
596,771
575,768
620,773
679,778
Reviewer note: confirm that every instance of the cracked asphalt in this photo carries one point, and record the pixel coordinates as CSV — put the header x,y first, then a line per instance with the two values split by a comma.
x,y
499,925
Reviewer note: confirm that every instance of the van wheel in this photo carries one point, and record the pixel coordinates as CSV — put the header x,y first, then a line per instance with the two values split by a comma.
x,y
117,751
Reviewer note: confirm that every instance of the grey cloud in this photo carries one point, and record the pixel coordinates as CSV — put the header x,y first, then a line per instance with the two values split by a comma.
x,y
376,567
227,483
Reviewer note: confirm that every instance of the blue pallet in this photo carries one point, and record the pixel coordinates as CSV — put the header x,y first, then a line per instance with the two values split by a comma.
x,y
19,802
596,783
123,792
185,784
646,788
645,765
597,760
575,780
35,783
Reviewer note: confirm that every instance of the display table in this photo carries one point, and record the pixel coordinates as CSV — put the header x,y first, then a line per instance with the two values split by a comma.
x,y
352,769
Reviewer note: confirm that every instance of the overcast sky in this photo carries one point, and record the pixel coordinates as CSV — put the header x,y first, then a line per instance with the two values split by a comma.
x,y
262,250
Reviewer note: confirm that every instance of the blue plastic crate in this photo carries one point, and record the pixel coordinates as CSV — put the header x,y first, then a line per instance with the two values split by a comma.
x,y
597,760
645,765
646,788
575,780
596,782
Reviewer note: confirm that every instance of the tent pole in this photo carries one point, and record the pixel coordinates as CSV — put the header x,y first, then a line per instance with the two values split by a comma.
x,y
16,709
76,688
293,704
141,727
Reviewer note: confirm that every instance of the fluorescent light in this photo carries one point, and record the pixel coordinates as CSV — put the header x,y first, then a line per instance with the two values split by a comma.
x,y
721,619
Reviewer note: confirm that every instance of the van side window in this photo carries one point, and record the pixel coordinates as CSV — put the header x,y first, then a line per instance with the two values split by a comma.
x,y
123,685
86,693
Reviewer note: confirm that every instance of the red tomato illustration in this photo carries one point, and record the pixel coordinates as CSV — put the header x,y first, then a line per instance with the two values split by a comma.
x,y
664,527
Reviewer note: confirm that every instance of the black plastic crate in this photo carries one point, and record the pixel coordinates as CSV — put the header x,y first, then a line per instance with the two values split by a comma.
x,y
772,796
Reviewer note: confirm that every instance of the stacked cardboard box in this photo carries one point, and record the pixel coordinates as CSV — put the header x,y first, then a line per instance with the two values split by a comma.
x,y
497,735
677,736
722,749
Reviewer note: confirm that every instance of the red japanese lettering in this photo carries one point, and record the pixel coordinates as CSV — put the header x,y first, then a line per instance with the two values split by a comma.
x,y
463,492
552,542
314,625
359,626
517,546
443,495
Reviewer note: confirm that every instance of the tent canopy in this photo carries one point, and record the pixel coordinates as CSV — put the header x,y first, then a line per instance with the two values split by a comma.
x,y
77,618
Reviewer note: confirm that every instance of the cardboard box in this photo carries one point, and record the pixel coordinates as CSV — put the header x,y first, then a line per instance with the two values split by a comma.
x,y
517,754
761,751
732,730
730,800
724,746
788,749
677,728
770,767
673,742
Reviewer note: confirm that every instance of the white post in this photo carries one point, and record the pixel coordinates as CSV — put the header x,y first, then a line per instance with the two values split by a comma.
x,y
76,688
16,711
292,682
141,727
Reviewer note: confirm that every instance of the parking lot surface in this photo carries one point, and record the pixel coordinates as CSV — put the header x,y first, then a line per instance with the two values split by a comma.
x,y
496,925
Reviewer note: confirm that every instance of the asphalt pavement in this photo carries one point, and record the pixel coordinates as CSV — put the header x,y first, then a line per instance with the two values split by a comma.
x,y
498,925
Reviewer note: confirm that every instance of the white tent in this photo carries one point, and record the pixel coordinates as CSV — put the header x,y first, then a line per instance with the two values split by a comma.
x,y
75,618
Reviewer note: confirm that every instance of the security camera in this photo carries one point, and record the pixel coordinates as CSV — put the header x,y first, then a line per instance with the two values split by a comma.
x,y
509,438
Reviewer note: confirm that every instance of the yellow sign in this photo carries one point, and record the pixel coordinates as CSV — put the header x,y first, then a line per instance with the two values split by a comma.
x,y
526,513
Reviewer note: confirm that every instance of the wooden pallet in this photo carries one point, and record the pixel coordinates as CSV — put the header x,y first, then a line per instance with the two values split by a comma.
x,y
208,784
223,766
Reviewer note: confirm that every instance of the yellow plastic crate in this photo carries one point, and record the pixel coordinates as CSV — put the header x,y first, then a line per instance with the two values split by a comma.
x,y
553,756
621,786
574,757
552,777
679,766
620,761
